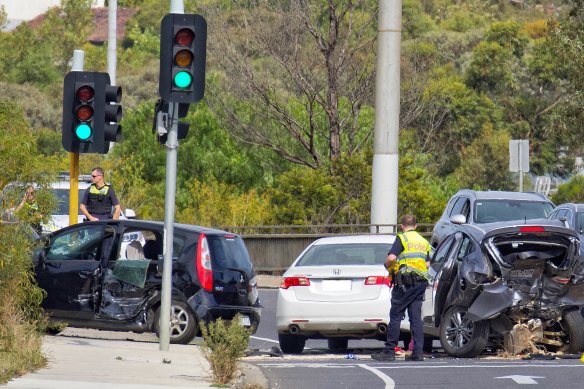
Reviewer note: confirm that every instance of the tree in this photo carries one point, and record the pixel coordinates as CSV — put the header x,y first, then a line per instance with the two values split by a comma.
x,y
570,192
485,163
296,75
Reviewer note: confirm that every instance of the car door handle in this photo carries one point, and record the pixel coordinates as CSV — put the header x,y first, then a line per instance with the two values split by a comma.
x,y
88,273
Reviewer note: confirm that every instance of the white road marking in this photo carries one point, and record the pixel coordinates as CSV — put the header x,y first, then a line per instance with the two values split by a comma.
x,y
389,383
523,379
264,339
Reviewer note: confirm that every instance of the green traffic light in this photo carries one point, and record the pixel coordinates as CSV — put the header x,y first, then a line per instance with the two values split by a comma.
x,y
183,79
83,131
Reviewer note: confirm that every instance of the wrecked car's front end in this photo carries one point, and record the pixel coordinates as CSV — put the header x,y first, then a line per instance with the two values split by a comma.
x,y
521,291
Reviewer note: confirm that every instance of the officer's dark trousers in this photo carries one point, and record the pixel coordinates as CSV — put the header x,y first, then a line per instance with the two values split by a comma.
x,y
411,299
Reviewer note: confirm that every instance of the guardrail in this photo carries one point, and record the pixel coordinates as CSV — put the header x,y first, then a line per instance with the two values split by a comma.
x,y
274,248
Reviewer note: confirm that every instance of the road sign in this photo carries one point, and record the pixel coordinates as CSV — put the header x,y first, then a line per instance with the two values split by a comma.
x,y
519,155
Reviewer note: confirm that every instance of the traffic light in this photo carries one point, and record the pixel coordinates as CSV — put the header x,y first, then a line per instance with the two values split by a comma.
x,y
162,120
108,124
91,112
183,41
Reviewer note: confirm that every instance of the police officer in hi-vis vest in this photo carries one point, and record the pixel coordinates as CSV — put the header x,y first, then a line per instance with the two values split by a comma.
x,y
99,199
407,261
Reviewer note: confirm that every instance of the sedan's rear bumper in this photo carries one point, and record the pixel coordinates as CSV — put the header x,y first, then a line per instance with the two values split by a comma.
x,y
364,318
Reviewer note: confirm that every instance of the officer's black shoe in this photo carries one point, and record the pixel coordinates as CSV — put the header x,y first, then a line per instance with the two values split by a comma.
x,y
414,358
383,356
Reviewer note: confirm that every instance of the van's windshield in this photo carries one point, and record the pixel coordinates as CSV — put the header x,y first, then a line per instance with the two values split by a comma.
x,y
488,211
62,196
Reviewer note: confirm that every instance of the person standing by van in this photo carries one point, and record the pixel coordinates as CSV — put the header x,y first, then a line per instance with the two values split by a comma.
x,y
99,199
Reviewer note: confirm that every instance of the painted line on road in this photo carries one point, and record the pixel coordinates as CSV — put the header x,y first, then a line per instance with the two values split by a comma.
x,y
432,365
264,339
389,383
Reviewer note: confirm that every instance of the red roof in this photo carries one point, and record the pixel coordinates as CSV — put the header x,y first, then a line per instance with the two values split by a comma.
x,y
100,15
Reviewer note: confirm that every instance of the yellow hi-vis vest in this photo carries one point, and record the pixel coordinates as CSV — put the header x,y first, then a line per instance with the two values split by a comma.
x,y
413,257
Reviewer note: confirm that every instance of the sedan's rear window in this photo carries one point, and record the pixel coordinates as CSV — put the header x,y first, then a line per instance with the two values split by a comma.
x,y
229,252
489,211
345,254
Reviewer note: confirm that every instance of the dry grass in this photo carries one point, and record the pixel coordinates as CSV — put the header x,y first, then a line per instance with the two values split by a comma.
x,y
20,343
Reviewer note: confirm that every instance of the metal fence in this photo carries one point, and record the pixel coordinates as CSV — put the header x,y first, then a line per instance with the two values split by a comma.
x,y
274,248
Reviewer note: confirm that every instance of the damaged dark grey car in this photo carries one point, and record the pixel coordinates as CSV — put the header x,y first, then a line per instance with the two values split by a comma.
x,y
511,285
108,275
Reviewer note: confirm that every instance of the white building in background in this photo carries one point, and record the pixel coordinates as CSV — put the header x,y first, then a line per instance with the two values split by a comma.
x,y
19,11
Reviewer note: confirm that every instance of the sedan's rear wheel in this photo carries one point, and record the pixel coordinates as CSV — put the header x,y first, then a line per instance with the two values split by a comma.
x,y
460,336
574,328
338,343
291,344
183,325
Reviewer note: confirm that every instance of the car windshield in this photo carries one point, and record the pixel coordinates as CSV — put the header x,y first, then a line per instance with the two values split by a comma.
x,y
489,211
62,196
345,254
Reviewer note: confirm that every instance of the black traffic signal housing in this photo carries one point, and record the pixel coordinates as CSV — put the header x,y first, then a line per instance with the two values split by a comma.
x,y
183,49
162,120
91,112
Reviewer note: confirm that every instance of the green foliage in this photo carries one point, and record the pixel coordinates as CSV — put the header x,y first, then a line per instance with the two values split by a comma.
x,y
340,194
570,192
224,346
19,159
218,204
415,195
485,163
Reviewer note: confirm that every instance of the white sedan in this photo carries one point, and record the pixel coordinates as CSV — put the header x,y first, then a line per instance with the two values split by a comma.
x,y
336,289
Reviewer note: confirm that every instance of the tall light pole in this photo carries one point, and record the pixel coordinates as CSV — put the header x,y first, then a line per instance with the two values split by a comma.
x,y
387,102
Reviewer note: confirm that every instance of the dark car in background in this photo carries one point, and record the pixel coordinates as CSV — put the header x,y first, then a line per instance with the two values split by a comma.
x,y
97,276
573,215
515,285
481,207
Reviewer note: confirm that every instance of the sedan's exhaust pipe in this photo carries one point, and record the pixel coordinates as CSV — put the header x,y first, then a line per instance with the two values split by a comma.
x,y
294,329
382,329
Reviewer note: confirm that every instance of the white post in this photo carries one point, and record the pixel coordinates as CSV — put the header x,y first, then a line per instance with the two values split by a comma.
x,y
387,102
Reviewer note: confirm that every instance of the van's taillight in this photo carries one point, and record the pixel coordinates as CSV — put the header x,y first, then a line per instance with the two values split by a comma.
x,y
294,281
531,229
204,268
377,280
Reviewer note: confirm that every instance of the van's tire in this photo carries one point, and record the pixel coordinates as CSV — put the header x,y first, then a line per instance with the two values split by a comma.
x,y
291,344
460,336
574,324
183,324
338,343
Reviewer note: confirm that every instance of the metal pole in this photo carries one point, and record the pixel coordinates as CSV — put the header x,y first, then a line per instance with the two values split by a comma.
x,y
519,154
112,17
76,66
387,102
176,6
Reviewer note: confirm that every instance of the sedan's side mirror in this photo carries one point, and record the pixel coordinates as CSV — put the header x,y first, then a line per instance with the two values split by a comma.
x,y
130,213
39,258
458,219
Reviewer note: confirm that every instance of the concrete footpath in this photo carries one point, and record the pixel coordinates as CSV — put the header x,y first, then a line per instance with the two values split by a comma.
x,y
93,359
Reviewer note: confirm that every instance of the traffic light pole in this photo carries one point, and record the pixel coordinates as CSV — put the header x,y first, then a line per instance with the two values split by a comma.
x,y
169,200
176,6
77,65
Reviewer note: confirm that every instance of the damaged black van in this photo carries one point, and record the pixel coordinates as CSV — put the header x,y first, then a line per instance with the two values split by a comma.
x,y
108,275
514,285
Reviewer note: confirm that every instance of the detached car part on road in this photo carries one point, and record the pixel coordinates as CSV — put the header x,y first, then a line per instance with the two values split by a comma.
x,y
97,276
511,285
